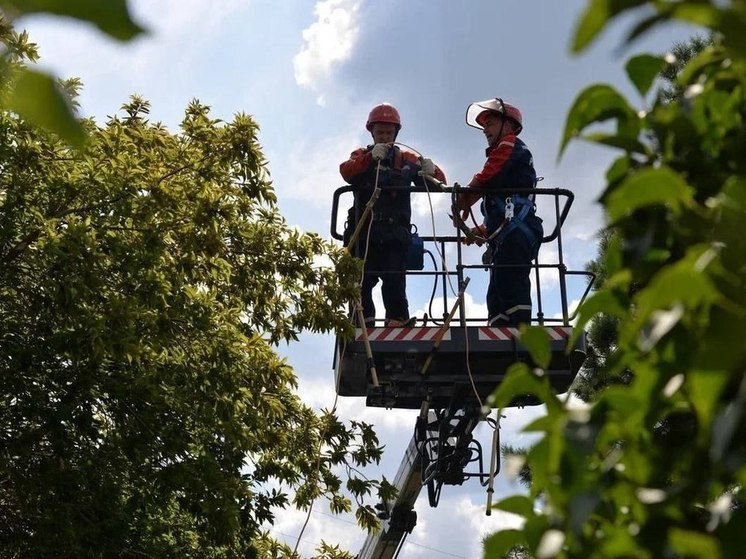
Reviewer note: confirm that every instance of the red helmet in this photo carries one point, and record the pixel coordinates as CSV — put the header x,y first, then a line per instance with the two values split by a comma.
x,y
383,113
478,111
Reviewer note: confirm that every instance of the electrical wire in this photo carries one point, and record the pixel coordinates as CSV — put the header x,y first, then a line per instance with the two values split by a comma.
x,y
336,397
467,354
432,222
316,477
453,291
335,517
448,277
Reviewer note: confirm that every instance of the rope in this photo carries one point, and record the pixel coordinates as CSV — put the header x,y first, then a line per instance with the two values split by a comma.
x,y
358,305
426,184
460,294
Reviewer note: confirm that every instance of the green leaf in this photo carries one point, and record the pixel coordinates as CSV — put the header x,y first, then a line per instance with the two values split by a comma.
x,y
595,17
630,145
536,341
112,16
696,66
643,70
141,307
36,97
604,301
543,424
590,24
699,13
596,103
644,26
732,25
682,283
619,169
649,187
517,504
500,543
521,381
617,542
694,544
538,460
622,399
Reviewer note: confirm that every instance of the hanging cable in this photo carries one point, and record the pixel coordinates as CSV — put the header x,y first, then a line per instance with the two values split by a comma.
x,y
322,435
460,294
426,184
358,308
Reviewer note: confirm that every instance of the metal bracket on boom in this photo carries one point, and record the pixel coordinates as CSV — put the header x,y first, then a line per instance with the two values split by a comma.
x,y
447,447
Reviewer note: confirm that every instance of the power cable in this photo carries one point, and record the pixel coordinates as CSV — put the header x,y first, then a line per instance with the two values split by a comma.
x,y
364,327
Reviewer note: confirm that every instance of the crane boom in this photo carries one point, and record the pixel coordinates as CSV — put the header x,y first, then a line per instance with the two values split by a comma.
x,y
401,517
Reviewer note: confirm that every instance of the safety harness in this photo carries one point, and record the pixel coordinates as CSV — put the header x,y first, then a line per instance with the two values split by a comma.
x,y
512,220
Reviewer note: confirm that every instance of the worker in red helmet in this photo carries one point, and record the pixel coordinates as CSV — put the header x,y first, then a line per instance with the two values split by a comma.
x,y
384,250
511,227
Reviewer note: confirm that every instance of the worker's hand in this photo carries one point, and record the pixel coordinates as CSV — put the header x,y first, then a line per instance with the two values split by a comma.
x,y
427,166
464,216
380,151
478,236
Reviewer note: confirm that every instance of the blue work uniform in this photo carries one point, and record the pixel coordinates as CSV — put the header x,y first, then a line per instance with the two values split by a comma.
x,y
514,243
385,249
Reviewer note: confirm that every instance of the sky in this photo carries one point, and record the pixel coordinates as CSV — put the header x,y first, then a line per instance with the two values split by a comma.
x,y
309,71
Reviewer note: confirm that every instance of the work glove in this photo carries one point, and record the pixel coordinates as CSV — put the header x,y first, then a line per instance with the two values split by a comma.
x,y
427,166
380,151
479,234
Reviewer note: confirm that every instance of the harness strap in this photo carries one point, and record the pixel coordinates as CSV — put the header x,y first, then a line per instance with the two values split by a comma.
x,y
516,221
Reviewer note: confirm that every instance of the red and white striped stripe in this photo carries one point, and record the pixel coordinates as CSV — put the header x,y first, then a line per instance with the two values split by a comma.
x,y
559,332
504,333
401,334
423,334
501,333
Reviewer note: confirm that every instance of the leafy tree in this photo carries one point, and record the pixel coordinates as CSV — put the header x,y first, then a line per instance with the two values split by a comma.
x,y
682,53
603,329
676,282
601,336
144,282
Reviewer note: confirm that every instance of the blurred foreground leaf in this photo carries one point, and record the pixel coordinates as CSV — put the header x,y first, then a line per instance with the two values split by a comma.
x,y
37,98
112,16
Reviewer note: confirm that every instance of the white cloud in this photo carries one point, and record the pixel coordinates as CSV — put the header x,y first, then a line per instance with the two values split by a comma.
x,y
312,172
473,308
571,308
319,393
475,515
549,277
328,41
432,207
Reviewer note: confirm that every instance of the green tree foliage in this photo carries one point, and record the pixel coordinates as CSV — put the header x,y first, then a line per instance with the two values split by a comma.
x,y
602,333
603,329
681,53
144,281
654,468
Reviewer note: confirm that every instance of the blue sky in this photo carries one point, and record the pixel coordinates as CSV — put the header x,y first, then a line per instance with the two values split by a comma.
x,y
309,71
